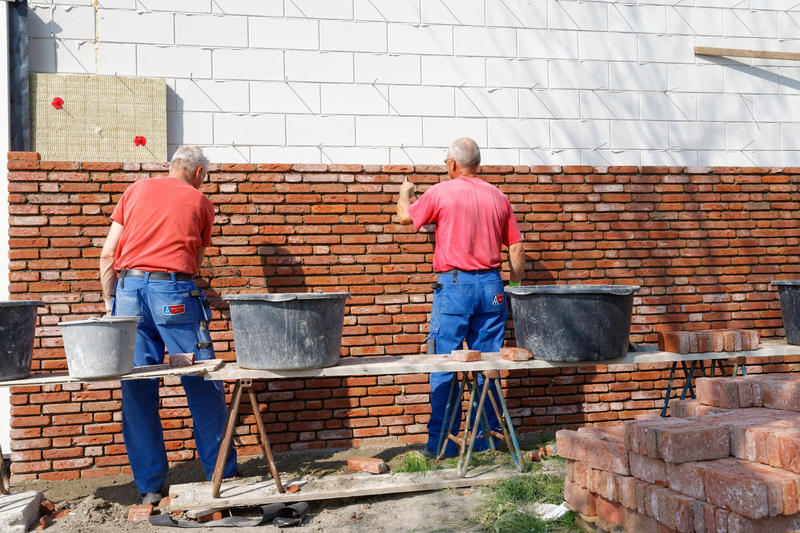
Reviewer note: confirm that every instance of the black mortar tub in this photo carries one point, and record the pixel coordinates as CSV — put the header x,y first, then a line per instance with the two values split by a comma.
x,y
287,331
789,295
573,322
17,330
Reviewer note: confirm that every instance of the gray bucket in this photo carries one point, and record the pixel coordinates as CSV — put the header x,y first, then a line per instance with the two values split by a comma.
x,y
100,347
17,330
286,331
789,295
573,322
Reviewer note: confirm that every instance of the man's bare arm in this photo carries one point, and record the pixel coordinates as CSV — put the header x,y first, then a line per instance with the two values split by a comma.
x,y
407,189
516,258
108,276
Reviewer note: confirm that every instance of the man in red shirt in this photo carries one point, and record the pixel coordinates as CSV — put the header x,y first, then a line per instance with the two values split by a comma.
x,y
473,221
159,233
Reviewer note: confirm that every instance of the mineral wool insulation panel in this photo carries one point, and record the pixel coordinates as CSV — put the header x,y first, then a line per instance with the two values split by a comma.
x,y
100,119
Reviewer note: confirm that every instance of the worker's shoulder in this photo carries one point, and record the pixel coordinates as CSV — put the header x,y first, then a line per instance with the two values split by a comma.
x,y
481,184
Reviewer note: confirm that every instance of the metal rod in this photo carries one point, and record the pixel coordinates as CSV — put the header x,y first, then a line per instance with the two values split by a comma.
x,y
510,424
264,440
472,393
669,388
689,375
449,415
487,384
463,470
225,445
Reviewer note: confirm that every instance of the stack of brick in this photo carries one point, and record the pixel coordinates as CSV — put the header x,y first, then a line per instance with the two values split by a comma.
x,y
727,462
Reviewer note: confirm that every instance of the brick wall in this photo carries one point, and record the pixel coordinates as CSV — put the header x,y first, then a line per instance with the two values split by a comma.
x,y
703,243
595,82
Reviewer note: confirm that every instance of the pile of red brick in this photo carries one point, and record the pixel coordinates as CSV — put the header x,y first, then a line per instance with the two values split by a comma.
x,y
710,340
727,462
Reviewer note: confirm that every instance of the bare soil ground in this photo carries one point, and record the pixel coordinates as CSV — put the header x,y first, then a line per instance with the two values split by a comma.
x,y
101,505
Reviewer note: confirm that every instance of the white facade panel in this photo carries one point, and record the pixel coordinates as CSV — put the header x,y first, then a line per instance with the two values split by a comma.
x,y
534,81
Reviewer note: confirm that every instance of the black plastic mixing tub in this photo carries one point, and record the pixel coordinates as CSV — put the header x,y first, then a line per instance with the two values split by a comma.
x,y
17,329
789,295
573,322
286,331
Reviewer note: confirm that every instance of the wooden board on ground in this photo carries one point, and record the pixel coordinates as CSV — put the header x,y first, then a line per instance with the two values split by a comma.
x,y
142,372
595,524
241,493
421,364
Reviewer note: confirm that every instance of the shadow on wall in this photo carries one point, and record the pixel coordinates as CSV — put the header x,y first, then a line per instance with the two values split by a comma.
x,y
175,126
757,71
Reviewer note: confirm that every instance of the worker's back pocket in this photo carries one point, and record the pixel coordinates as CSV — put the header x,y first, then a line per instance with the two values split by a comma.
x,y
173,307
494,297
457,299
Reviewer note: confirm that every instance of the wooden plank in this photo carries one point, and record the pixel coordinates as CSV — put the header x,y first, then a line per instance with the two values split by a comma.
x,y
422,364
142,372
738,52
241,493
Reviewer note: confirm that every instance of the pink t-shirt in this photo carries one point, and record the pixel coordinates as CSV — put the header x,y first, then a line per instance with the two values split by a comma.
x,y
473,220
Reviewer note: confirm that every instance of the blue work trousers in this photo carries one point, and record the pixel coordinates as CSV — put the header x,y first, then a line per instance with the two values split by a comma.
x,y
173,315
469,306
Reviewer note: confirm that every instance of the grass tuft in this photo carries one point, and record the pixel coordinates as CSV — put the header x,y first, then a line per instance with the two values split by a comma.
x,y
504,508
412,461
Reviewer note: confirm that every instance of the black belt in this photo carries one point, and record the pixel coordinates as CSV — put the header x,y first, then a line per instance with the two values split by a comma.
x,y
160,276
484,271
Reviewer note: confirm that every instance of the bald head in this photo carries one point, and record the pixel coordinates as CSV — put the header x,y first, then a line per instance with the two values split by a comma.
x,y
465,153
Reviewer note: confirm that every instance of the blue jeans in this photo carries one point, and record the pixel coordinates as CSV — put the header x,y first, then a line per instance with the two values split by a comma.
x,y
471,307
171,318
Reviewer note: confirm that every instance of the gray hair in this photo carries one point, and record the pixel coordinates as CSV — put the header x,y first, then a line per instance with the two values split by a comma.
x,y
466,153
189,158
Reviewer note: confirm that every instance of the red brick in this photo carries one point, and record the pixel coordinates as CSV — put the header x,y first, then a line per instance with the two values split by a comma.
x,y
26,156
685,479
782,489
465,356
137,513
777,393
728,484
611,512
640,523
43,523
677,341
515,354
214,515
719,392
750,339
607,455
698,443
648,469
579,499
373,465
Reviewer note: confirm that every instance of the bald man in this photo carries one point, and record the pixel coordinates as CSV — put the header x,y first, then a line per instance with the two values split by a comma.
x,y
474,220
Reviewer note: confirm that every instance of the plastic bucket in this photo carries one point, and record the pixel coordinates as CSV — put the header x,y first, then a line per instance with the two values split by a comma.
x,y
789,295
17,330
573,322
286,331
99,347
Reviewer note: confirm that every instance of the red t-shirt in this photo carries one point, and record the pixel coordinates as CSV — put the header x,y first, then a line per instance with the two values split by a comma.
x,y
165,221
473,219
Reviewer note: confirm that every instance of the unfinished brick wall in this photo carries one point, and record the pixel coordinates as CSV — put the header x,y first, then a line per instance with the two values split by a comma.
x,y
703,244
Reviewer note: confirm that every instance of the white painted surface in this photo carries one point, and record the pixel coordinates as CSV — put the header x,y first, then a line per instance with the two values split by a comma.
x,y
394,81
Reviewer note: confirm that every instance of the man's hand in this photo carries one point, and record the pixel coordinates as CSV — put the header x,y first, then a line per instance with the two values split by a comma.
x,y
404,200
407,189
